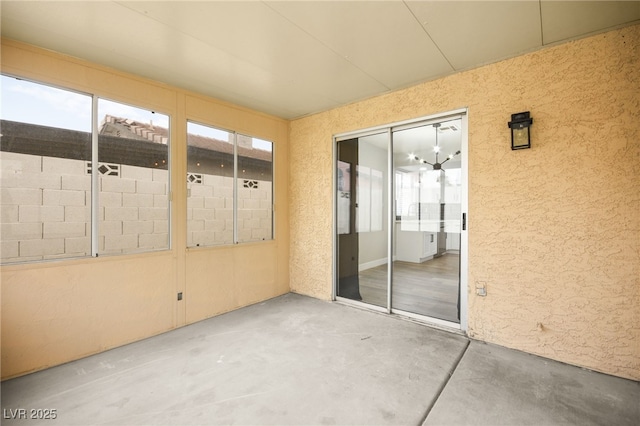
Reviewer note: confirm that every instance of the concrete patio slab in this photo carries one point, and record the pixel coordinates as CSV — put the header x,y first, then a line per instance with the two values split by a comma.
x,y
295,360
498,386
290,360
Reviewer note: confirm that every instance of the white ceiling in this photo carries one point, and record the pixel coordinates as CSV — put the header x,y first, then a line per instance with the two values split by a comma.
x,y
294,58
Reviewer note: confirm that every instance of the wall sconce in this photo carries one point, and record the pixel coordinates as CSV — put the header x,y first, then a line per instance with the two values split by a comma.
x,y
520,134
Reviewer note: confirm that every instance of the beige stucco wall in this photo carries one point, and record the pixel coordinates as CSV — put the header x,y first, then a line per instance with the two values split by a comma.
x,y
54,312
554,231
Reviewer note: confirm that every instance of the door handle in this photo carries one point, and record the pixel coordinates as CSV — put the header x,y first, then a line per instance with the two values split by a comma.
x,y
464,221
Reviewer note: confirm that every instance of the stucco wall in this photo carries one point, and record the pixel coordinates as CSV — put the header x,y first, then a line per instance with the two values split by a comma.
x,y
60,310
554,231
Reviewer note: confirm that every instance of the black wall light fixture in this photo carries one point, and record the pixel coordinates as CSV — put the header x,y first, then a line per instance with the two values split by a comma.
x,y
520,134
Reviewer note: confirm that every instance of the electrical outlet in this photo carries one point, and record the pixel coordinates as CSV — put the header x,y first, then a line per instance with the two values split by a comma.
x,y
481,288
180,296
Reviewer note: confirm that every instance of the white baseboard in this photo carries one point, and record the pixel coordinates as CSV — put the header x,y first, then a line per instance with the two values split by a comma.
x,y
372,264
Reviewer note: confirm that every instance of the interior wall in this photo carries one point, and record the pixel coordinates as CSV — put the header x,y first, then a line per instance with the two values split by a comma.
x,y
54,312
373,244
554,231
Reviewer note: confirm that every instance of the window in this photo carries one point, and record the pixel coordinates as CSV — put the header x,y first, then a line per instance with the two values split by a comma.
x,y
133,176
343,197
209,186
46,192
229,187
369,200
67,192
255,189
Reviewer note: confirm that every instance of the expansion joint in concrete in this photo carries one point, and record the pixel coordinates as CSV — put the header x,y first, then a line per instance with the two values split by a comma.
x,y
445,382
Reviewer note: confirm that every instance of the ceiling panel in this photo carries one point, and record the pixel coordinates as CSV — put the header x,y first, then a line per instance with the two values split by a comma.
x,y
295,58
383,39
260,36
470,33
143,47
562,20
137,41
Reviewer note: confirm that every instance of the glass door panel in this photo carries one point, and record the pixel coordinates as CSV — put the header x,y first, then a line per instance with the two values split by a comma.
x,y
363,219
426,268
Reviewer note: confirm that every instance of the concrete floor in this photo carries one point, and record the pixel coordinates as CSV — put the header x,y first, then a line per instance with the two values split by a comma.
x,y
294,360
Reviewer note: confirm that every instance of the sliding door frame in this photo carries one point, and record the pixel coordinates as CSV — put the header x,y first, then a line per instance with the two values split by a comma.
x,y
464,243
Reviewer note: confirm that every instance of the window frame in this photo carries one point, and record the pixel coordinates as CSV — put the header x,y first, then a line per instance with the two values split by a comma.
x,y
95,181
236,181
94,219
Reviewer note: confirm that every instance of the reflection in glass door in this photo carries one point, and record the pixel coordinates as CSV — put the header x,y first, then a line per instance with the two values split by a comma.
x,y
362,219
427,172
399,208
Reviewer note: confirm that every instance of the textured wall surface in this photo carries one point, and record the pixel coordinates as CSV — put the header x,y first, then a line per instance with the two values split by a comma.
x,y
310,205
554,231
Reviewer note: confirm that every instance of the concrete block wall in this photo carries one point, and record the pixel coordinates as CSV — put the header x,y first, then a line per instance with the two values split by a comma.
x,y
210,211
134,210
43,202
255,211
45,205
46,209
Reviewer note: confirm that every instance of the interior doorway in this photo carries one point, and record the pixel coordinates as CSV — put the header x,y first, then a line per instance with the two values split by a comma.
x,y
401,219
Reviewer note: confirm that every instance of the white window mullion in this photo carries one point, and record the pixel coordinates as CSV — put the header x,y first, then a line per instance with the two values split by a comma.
x,y
235,188
95,176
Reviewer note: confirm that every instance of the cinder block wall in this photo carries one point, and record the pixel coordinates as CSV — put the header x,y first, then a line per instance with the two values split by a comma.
x,y
210,210
46,205
46,209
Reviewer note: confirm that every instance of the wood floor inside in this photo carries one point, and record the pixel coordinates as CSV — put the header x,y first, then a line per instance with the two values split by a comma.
x,y
429,288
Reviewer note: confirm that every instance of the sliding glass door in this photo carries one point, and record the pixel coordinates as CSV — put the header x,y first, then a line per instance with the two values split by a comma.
x,y
427,166
363,218
400,197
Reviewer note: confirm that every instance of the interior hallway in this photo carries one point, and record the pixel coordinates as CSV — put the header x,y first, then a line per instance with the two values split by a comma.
x,y
298,360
